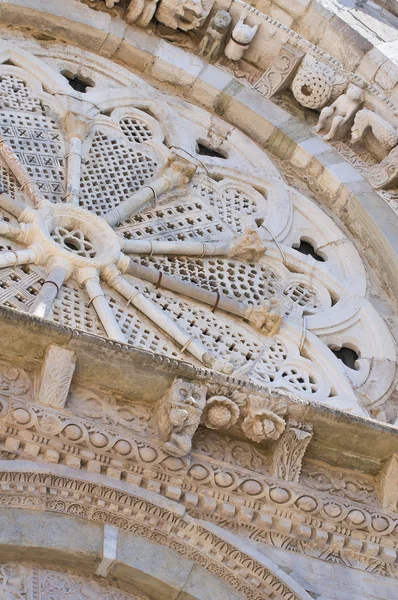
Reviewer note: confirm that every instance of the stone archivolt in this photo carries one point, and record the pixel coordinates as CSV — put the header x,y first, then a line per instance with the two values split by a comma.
x,y
220,480
142,219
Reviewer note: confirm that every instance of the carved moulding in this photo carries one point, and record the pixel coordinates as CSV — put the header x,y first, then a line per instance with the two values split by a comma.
x,y
142,515
219,481
24,582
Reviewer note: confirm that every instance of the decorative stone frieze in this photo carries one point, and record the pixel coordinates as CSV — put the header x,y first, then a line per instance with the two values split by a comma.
x,y
225,338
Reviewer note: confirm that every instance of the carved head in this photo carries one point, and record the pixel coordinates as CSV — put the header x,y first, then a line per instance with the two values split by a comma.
x,y
187,393
222,19
183,14
354,93
244,33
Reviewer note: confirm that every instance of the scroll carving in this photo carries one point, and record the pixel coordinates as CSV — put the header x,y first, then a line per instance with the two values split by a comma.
x,y
280,74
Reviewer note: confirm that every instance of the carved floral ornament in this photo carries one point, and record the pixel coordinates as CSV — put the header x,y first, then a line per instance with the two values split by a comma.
x,y
227,478
172,251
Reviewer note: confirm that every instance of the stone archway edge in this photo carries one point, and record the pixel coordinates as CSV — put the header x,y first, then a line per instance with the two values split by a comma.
x,y
102,539
337,183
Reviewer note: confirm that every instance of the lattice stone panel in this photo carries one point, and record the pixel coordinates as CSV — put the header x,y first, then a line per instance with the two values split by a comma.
x,y
225,337
19,286
222,336
138,331
136,130
111,173
231,204
181,222
16,95
301,295
71,309
38,143
246,282
8,183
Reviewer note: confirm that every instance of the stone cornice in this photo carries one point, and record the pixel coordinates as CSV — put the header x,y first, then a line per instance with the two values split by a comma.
x,y
339,438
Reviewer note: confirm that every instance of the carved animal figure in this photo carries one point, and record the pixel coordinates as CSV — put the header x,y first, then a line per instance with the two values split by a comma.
x,y
210,46
383,131
241,37
385,174
183,14
339,115
178,414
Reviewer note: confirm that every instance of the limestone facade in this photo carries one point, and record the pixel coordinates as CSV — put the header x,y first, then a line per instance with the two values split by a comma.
x,y
198,301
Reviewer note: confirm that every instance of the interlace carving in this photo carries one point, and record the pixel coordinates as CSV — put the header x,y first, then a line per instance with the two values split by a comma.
x,y
74,240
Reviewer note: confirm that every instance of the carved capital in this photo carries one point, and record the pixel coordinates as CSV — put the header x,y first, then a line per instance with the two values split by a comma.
x,y
249,246
268,316
178,171
290,450
76,126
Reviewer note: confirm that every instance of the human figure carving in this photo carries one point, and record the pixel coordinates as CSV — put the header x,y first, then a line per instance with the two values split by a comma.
x,y
241,37
341,113
178,414
210,46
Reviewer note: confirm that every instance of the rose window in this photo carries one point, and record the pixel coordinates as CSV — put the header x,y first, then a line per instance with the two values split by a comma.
x,y
153,245
74,240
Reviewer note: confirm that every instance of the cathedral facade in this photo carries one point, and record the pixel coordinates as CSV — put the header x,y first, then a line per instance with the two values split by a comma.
x,y
198,300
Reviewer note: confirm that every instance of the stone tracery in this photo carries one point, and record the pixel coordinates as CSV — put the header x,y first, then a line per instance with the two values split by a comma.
x,y
212,208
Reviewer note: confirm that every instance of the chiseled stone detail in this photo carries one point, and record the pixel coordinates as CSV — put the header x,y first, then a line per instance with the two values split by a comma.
x,y
165,526
135,226
290,450
280,74
178,415
56,376
23,582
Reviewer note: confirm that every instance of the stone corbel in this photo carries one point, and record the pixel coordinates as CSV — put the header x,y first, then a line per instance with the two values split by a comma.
x,y
280,74
388,484
290,449
178,415
56,376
